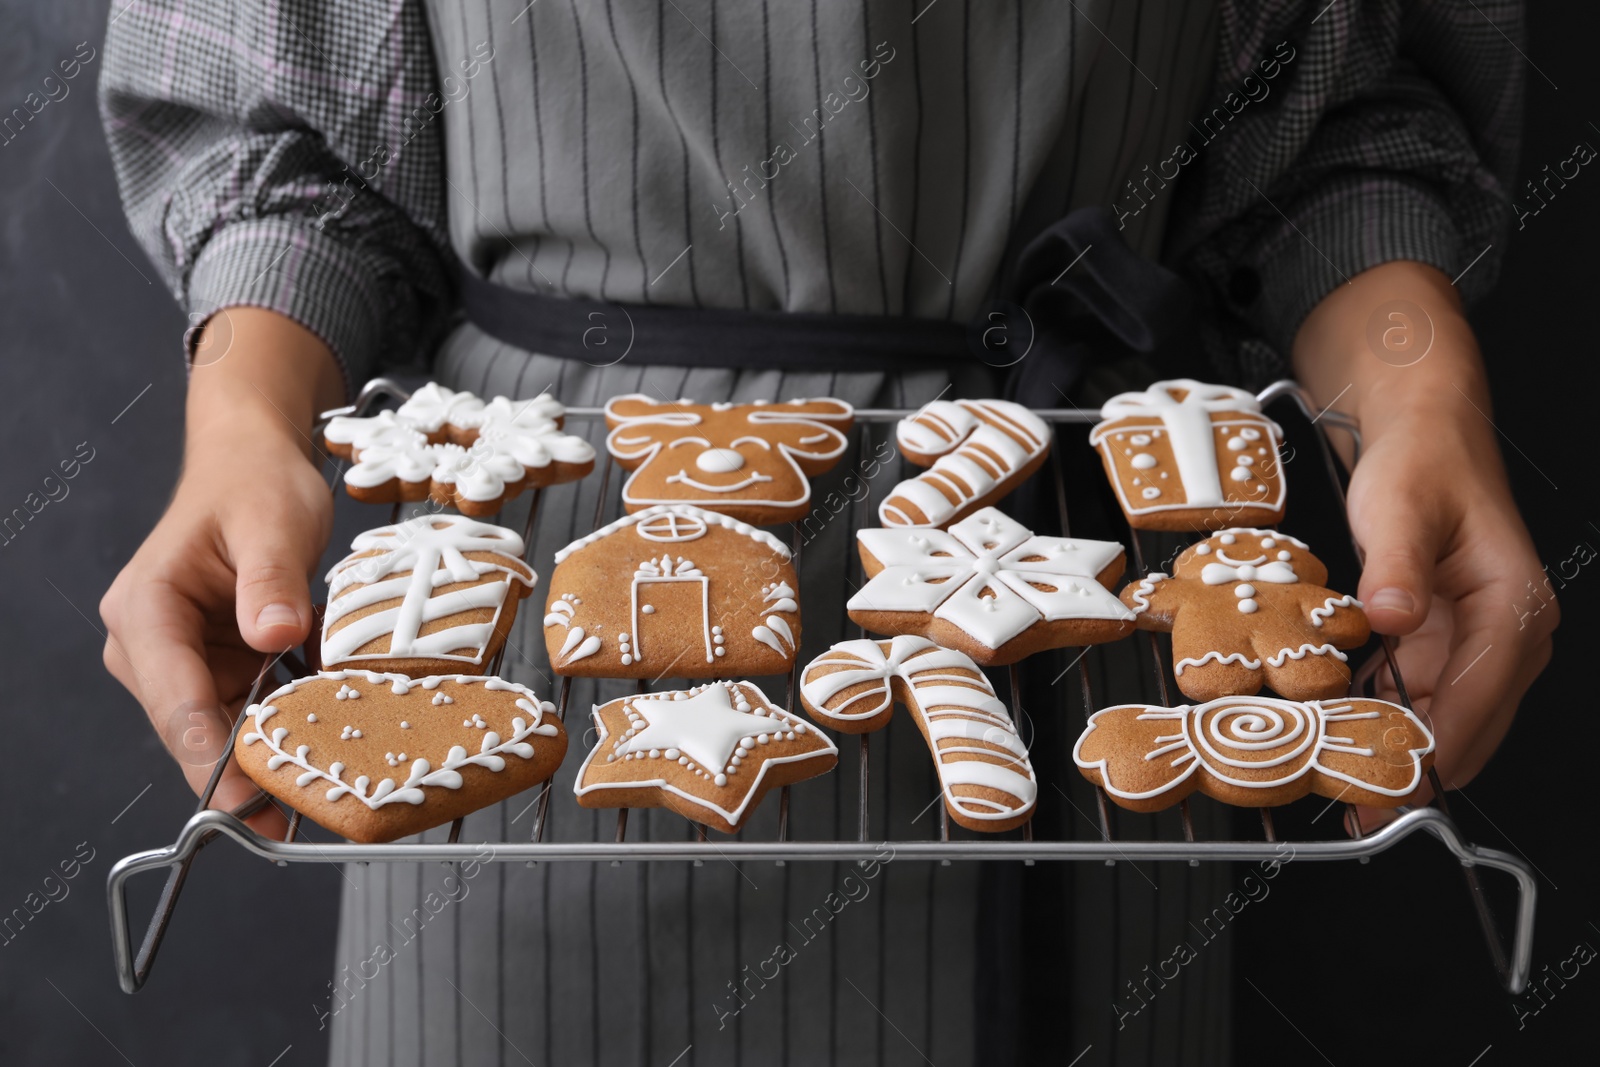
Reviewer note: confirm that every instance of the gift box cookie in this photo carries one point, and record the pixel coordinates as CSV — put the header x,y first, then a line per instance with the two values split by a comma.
x,y
977,451
984,772
990,588
1247,607
1256,751
676,592
1185,455
458,450
427,596
752,462
375,757
709,753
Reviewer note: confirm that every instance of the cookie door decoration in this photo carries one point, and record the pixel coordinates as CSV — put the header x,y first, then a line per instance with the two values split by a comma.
x,y
431,595
676,592
709,753
375,757
984,772
1248,607
1256,751
458,450
991,588
748,461
977,451
1185,455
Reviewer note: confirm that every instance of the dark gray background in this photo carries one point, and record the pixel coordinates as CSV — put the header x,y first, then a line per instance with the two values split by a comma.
x,y
1354,956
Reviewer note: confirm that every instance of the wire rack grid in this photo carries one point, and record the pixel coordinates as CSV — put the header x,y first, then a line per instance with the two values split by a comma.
x,y
134,962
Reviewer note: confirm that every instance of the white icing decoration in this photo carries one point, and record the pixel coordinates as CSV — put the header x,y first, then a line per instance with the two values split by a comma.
x,y
1248,606
720,461
1232,657
1194,438
1276,573
1265,731
1144,461
639,440
949,707
1151,492
491,754
666,571
988,551
1285,654
1330,605
431,553
656,518
702,726
512,436
1147,587
981,445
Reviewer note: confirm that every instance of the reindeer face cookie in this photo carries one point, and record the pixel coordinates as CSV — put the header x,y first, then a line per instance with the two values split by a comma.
x,y
977,451
991,588
437,593
1247,607
748,461
1185,455
1256,751
673,592
454,448
984,772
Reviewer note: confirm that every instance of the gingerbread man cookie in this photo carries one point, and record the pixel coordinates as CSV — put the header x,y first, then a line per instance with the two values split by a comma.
x,y
984,772
1248,606
457,450
1256,752
375,757
673,592
991,588
977,451
709,753
749,461
433,594
1185,455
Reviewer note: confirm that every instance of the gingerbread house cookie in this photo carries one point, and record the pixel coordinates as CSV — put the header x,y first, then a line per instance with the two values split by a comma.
x,y
984,772
709,753
750,461
433,594
675,592
1247,607
458,450
1185,455
977,451
1256,752
991,588
375,757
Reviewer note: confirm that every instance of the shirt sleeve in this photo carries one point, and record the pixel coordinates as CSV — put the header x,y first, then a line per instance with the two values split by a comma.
x,y
1349,135
286,154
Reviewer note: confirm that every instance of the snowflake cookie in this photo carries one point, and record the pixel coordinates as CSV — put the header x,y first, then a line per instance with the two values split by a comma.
x,y
991,588
1247,607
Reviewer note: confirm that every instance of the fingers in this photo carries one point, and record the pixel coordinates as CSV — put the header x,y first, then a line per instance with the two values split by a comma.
x,y
1402,538
273,598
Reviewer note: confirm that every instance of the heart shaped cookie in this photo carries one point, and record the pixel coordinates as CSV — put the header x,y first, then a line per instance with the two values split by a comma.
x,y
375,757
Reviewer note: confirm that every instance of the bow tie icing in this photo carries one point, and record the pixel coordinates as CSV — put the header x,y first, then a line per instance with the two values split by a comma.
x,y
1276,572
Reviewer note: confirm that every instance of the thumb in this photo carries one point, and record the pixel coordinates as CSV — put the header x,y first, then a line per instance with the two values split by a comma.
x,y
273,599
1401,537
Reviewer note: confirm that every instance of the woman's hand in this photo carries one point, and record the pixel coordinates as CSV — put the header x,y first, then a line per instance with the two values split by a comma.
x,y
1448,560
222,578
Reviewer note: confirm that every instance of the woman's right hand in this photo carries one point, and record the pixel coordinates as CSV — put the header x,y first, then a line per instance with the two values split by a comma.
x,y
223,577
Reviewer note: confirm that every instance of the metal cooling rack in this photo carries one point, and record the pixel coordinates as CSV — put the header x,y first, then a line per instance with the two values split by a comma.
x,y
134,962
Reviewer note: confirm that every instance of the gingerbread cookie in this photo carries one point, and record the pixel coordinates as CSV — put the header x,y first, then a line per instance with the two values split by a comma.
x,y
1184,455
1256,752
375,757
1246,607
984,772
990,588
748,461
709,753
977,451
673,592
434,594
457,450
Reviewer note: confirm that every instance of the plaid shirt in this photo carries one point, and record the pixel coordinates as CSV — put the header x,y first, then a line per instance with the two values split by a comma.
x,y
243,139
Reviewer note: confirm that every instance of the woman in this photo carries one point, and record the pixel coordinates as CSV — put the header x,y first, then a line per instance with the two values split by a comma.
x,y
863,187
